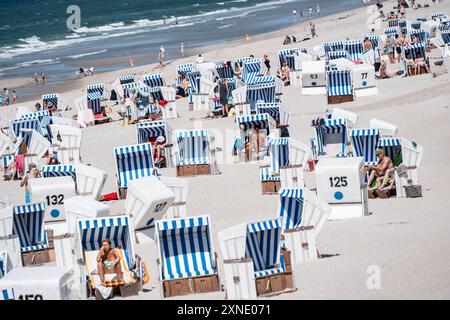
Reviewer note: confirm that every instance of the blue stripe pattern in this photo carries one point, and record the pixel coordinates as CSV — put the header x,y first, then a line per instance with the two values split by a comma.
x,y
116,229
273,109
263,246
365,142
250,70
17,126
373,38
28,225
291,208
93,101
279,153
337,54
251,121
100,87
183,70
420,33
194,147
7,294
150,129
186,248
194,81
224,70
133,162
154,80
415,49
333,46
126,79
416,24
339,83
329,129
3,263
51,171
446,36
392,147
354,49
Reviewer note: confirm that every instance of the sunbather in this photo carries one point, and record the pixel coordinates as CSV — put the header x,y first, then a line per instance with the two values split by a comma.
x,y
158,147
108,261
383,172
31,174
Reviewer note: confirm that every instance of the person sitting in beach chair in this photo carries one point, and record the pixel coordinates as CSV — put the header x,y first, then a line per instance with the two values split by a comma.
x,y
108,261
182,88
284,73
384,174
158,151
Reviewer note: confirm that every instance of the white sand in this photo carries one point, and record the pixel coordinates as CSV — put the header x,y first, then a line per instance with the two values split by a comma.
x,y
407,239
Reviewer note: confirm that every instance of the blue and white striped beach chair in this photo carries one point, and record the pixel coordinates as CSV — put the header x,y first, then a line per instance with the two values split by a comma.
x,y
194,155
393,23
224,69
420,33
354,49
261,89
186,251
155,81
406,153
391,32
402,24
251,69
50,100
373,38
93,101
438,16
51,171
119,230
183,71
35,115
339,86
274,109
133,162
364,144
149,131
16,127
279,157
446,37
99,87
29,226
333,46
332,138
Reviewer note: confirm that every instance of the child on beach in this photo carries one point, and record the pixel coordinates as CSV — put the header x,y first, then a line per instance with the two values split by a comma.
x,y
14,96
313,29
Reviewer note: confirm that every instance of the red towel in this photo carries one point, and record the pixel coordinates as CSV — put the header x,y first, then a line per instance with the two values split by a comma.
x,y
99,116
109,196
162,103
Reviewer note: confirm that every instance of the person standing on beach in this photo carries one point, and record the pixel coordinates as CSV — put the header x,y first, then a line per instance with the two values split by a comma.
x,y
200,59
313,29
182,49
267,64
301,13
43,77
318,10
14,97
36,78
294,12
310,11
162,52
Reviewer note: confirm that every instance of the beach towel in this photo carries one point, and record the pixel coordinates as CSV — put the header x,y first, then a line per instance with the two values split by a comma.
x,y
109,197
19,160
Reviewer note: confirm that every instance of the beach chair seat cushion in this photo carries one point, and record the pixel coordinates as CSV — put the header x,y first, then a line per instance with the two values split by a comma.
x,y
269,272
200,160
34,248
266,174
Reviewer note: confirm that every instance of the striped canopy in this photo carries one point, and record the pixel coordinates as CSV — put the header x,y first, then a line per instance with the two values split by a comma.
x,y
392,147
28,225
333,46
185,247
287,55
183,70
438,15
393,23
51,171
279,153
93,101
194,81
373,38
263,246
155,92
224,69
272,108
255,120
35,115
243,60
126,79
154,80
365,142
354,49
416,24
420,33
117,229
127,87
339,83
193,147
99,87
133,162
446,36
416,50
262,90
250,70
331,131
337,54
391,31
50,98
291,208
150,129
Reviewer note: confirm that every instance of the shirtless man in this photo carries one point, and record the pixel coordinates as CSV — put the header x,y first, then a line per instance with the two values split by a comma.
x,y
108,261
382,171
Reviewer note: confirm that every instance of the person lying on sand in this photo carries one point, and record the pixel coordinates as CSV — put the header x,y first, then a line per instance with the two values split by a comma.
x,y
108,261
383,172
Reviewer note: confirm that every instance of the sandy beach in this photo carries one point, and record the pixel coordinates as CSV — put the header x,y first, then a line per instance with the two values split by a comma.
x,y
406,238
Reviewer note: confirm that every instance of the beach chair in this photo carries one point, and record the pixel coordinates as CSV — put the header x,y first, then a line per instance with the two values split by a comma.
x,y
37,147
334,45
89,180
420,33
313,78
251,69
149,131
364,144
169,111
391,32
253,263
186,258
9,241
56,100
292,174
375,39
354,49
303,215
126,79
261,125
198,100
179,187
363,78
99,87
224,69
281,115
183,71
17,126
94,103
406,156
332,138
68,150
270,174
341,54
195,153
415,50
34,115
147,202
119,229
385,129
5,143
339,86
416,24
132,162
29,227
262,89
155,81
393,23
